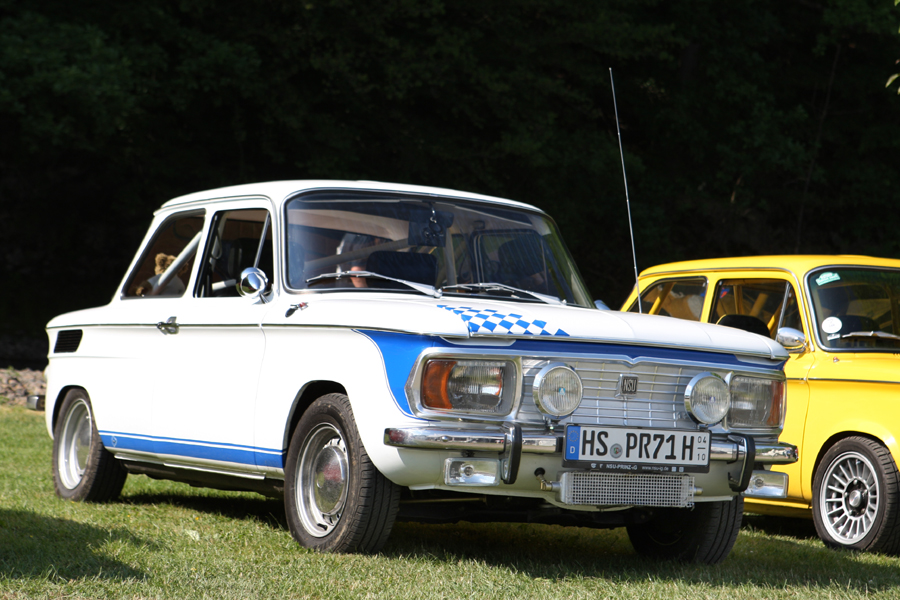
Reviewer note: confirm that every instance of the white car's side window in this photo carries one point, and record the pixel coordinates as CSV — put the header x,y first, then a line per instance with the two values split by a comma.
x,y
165,267
238,239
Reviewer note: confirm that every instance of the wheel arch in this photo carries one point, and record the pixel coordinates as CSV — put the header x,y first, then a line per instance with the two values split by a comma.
x,y
306,396
57,402
885,440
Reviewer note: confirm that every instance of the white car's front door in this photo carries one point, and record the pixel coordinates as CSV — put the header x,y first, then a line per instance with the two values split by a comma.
x,y
203,409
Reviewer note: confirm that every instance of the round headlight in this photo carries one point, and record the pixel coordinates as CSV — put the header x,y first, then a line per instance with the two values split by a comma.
x,y
557,390
707,398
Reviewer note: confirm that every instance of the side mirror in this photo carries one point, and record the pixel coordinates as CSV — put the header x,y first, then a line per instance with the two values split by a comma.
x,y
600,304
793,341
253,284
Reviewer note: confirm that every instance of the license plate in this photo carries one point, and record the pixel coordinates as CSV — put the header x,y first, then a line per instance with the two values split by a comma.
x,y
636,449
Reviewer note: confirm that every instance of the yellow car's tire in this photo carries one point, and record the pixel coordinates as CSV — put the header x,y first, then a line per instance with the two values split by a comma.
x,y
856,497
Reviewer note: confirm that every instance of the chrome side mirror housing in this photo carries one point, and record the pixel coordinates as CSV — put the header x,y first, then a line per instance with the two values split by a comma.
x,y
793,340
253,284
600,304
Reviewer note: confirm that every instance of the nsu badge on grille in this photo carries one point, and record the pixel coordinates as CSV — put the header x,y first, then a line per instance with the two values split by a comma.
x,y
628,386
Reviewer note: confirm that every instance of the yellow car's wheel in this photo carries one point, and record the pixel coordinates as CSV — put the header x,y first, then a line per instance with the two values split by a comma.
x,y
856,497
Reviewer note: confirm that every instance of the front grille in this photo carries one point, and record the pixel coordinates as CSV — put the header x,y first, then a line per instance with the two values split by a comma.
x,y
606,489
659,401
68,340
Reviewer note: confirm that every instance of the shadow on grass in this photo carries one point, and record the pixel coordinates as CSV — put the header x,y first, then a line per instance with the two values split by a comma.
x,y
770,552
33,545
238,505
802,529
570,553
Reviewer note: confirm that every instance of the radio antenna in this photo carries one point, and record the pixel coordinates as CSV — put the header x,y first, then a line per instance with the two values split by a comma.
x,y
637,281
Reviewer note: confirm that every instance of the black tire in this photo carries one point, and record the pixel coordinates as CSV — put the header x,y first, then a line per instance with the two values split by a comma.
x,y
856,497
335,499
83,470
703,534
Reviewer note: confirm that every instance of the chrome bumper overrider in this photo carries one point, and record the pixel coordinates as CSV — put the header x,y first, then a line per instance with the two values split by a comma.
x,y
422,438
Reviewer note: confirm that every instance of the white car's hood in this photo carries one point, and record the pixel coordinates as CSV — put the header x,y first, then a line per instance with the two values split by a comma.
x,y
453,316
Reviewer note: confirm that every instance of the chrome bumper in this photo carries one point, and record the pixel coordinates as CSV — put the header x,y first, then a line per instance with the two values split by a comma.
x,y
434,438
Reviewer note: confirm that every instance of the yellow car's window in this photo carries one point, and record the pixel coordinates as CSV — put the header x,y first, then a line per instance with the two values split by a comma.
x,y
681,298
856,308
759,305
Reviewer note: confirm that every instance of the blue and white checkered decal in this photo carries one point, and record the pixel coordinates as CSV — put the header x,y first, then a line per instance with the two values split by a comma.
x,y
488,320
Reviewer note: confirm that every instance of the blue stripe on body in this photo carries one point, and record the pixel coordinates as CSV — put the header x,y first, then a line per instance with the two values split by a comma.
x,y
231,453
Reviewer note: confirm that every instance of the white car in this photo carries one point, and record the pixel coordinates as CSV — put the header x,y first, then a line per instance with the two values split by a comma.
x,y
374,351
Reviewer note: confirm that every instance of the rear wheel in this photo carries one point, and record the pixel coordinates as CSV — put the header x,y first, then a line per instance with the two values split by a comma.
x,y
856,497
83,470
335,499
702,534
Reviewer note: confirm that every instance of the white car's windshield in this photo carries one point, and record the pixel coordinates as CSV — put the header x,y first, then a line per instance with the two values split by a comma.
x,y
856,308
443,243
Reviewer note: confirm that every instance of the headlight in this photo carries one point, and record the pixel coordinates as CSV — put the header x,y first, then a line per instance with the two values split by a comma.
x,y
557,390
756,403
707,398
474,386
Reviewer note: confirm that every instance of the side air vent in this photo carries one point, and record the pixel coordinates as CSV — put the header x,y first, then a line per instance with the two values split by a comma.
x,y
68,340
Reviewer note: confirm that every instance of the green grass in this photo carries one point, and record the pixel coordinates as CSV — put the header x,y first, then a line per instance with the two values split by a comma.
x,y
168,540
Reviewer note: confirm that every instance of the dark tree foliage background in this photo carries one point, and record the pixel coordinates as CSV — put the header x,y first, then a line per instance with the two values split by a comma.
x,y
751,127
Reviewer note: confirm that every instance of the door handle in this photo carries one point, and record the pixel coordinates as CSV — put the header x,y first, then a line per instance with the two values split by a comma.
x,y
168,327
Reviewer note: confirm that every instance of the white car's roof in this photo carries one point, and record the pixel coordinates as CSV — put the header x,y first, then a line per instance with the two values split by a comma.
x,y
278,191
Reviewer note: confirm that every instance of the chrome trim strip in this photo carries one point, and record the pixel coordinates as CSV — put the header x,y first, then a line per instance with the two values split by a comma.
x,y
180,462
464,439
852,380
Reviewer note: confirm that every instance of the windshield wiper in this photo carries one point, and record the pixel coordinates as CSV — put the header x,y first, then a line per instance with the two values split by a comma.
x,y
493,286
428,290
874,334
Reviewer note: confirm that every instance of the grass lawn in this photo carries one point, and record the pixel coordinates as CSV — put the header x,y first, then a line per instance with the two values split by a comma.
x,y
168,540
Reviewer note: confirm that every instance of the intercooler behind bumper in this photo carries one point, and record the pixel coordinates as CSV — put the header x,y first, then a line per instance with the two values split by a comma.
x,y
598,489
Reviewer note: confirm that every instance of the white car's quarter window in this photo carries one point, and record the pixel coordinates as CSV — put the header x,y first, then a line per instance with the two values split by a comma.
x,y
165,267
238,239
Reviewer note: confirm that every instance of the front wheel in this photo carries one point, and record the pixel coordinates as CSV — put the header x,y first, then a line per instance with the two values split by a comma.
x,y
335,499
856,493
83,470
702,534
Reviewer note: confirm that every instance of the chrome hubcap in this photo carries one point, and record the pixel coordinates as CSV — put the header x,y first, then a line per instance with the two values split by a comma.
x,y
849,500
75,445
322,478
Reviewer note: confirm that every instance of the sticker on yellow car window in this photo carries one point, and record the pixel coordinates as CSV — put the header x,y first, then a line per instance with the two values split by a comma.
x,y
827,278
831,325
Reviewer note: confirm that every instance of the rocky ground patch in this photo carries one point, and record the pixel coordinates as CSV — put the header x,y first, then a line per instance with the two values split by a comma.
x,y
17,384
22,361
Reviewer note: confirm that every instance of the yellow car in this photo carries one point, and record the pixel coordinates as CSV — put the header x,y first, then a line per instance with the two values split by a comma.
x,y
839,318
